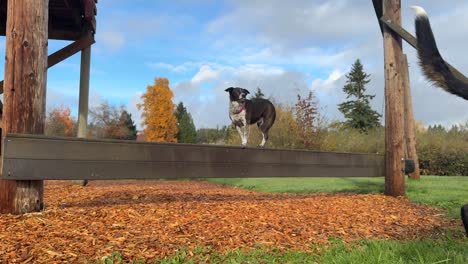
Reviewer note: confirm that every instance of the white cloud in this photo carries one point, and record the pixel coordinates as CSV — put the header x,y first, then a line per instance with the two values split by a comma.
x,y
110,40
206,73
167,66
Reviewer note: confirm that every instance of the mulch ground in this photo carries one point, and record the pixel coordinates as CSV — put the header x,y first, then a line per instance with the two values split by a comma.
x,y
152,219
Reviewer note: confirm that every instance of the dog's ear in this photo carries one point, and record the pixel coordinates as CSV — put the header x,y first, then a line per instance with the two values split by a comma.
x,y
246,91
229,89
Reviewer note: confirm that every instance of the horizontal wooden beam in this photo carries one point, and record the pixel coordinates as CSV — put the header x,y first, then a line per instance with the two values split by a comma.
x,y
66,52
411,40
46,158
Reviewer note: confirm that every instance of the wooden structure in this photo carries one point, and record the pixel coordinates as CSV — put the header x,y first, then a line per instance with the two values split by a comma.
x,y
72,159
30,159
28,24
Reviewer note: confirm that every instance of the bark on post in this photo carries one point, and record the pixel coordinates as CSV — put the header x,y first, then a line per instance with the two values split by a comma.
x,y
24,92
394,143
410,138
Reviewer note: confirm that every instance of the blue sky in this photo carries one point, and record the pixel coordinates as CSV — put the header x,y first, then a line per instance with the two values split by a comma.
x,y
284,47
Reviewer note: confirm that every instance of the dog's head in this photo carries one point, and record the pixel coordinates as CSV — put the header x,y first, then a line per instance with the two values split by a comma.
x,y
237,93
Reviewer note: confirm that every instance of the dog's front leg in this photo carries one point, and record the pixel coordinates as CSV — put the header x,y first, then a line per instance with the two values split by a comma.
x,y
240,130
246,133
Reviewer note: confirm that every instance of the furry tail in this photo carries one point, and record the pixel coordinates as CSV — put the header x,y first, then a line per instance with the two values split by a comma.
x,y
430,60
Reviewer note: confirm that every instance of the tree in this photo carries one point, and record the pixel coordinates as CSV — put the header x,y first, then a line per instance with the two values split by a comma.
x,y
108,121
60,123
125,120
159,121
358,112
306,110
185,126
259,93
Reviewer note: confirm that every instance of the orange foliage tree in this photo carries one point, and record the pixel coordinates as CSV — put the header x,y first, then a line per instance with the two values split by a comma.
x,y
159,121
60,123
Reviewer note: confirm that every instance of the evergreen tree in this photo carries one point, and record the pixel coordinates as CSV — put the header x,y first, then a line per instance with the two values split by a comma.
x,y
259,93
358,112
127,121
186,128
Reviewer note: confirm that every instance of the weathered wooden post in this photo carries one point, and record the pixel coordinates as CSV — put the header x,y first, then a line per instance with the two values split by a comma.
x,y
24,92
410,138
394,143
84,96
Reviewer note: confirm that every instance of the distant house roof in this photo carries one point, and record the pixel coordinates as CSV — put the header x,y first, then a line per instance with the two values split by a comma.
x,y
68,19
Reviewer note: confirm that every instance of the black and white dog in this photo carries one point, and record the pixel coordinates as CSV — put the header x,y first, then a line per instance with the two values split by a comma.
x,y
433,65
244,112
435,69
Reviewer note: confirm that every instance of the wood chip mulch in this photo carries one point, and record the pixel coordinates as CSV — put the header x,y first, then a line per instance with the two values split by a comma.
x,y
152,219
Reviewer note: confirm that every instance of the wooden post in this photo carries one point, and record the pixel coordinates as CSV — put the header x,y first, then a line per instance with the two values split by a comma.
x,y
394,152
25,92
84,96
410,138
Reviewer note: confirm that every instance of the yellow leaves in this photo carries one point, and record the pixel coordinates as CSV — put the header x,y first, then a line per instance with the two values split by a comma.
x,y
158,112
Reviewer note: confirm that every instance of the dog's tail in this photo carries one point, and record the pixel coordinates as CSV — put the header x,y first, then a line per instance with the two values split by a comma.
x,y
433,65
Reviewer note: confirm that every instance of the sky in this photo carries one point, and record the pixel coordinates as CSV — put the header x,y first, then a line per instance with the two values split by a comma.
x,y
284,47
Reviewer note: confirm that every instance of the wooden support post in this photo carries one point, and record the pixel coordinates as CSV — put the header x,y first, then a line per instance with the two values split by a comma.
x,y
394,151
65,52
410,138
25,92
84,96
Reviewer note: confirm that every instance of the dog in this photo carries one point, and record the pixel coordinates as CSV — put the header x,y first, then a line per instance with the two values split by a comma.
x,y
244,112
464,216
433,65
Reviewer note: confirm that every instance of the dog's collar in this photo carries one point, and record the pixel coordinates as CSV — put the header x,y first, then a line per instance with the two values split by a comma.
x,y
240,111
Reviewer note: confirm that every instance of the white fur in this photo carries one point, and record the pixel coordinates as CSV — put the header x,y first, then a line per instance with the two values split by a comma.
x,y
235,107
420,12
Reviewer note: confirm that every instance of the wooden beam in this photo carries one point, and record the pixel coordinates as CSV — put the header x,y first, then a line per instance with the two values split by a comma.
x,y
40,157
24,100
394,152
410,139
66,52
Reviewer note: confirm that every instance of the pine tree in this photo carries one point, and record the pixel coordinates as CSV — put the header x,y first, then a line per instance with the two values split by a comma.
x,y
187,132
159,121
127,122
259,93
358,112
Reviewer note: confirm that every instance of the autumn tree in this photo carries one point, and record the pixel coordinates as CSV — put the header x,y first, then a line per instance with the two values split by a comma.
x,y
159,121
307,117
60,123
112,122
358,112
185,126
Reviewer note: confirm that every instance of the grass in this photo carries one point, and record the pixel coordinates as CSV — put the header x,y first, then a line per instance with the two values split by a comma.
x,y
371,252
447,192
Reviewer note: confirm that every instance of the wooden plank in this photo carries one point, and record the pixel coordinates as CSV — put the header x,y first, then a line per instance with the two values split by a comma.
x,y
66,52
40,157
394,152
410,138
24,100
